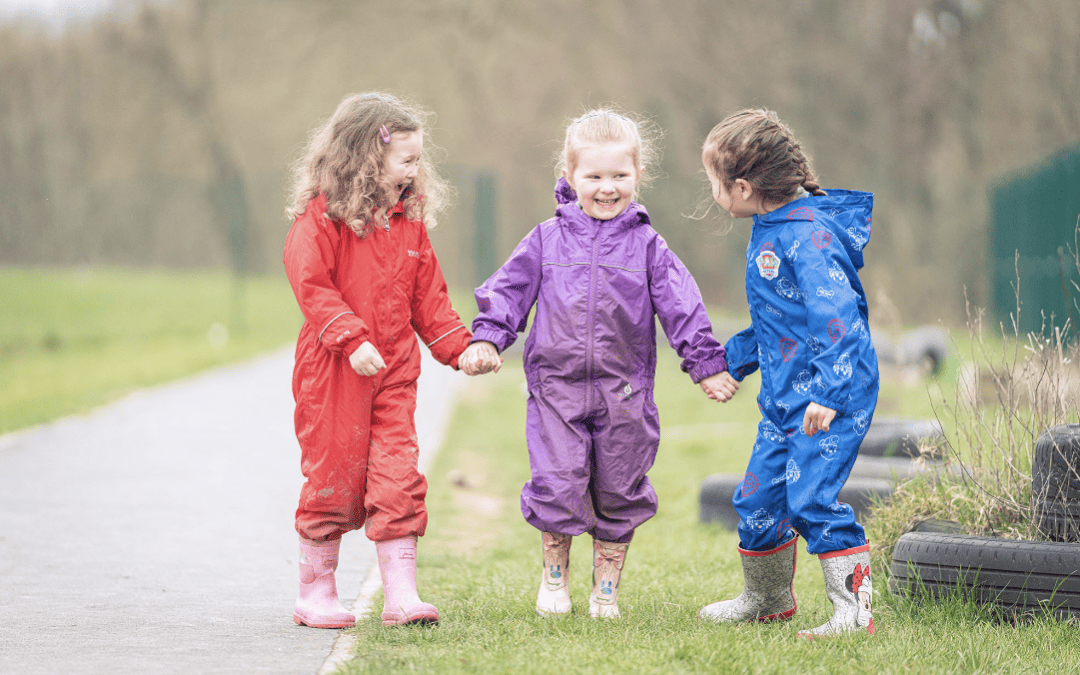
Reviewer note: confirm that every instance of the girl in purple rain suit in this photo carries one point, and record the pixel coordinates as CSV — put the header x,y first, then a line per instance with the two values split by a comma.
x,y
598,274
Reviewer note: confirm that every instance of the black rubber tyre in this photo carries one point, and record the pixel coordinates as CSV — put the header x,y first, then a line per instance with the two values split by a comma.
x,y
1059,522
1055,482
714,501
1019,576
897,437
926,347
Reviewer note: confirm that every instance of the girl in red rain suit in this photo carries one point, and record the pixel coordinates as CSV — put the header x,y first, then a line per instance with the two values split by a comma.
x,y
367,281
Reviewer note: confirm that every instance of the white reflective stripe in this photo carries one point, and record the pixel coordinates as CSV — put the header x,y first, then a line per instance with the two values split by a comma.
x,y
330,322
445,334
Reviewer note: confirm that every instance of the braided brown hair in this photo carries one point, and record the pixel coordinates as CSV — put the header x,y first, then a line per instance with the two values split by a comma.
x,y
756,146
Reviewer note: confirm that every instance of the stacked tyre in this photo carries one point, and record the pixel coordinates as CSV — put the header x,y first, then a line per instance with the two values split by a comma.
x,y
1041,577
900,437
1055,483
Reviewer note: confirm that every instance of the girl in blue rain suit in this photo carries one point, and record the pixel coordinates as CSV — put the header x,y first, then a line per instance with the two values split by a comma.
x,y
819,375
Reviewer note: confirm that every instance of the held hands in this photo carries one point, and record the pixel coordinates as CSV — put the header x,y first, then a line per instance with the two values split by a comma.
x,y
479,358
366,360
720,387
817,418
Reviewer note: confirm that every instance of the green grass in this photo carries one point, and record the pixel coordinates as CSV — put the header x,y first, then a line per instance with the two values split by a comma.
x,y
74,339
480,564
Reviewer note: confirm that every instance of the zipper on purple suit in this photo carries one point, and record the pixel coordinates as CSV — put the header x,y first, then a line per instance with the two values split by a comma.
x,y
589,324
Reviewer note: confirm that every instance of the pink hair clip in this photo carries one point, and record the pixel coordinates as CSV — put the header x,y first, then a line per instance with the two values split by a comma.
x,y
384,133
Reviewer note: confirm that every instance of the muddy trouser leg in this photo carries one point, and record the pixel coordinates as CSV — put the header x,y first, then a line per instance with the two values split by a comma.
x,y
334,453
395,492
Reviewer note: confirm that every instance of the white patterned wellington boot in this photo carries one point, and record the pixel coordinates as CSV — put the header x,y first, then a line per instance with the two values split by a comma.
x,y
847,584
767,594
608,560
554,596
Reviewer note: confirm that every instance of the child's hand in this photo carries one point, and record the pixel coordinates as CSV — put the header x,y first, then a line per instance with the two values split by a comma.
x,y
817,418
366,360
720,387
479,358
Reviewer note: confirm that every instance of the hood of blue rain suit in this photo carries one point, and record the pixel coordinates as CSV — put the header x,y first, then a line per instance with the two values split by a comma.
x,y
846,213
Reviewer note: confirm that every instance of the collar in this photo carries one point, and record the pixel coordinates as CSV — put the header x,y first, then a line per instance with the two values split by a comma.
x,y
569,210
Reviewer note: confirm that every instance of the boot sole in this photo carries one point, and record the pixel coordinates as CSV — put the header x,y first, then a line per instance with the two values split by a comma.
x,y
421,618
769,618
832,636
551,614
314,623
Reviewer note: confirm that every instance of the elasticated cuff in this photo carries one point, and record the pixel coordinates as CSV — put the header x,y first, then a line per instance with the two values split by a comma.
x,y
708,369
497,338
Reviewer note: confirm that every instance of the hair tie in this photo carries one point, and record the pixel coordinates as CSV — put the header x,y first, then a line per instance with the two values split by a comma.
x,y
384,134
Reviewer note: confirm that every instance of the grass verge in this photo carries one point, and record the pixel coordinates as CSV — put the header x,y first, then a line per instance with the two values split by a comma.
x,y
480,564
74,339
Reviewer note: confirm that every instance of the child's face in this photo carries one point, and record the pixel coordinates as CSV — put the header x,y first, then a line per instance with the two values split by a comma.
x,y
734,201
605,179
402,161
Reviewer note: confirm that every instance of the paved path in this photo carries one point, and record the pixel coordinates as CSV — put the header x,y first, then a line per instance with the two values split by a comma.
x,y
155,535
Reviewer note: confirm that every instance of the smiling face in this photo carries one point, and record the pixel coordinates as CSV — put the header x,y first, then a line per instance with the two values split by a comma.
x,y
605,178
402,161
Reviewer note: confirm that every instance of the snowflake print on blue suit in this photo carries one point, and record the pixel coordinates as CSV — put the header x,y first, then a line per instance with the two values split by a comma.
x,y
809,338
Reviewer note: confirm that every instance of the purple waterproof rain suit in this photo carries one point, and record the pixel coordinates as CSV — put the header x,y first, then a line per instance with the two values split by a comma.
x,y
592,427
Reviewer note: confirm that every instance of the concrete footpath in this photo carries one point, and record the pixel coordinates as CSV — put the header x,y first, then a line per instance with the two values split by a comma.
x,y
155,535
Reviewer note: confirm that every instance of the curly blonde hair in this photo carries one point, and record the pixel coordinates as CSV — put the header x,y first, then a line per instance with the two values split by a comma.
x,y
611,125
343,160
756,146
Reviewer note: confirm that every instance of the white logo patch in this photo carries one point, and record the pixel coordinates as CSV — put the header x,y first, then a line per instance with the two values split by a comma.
x,y
768,263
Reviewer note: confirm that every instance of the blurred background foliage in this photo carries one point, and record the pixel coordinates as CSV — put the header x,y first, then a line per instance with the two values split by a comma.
x,y
159,134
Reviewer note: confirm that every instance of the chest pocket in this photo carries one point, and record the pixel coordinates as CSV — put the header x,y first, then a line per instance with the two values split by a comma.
x,y
404,270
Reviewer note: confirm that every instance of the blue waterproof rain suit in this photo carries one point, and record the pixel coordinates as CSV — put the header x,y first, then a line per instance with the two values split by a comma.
x,y
809,337
592,427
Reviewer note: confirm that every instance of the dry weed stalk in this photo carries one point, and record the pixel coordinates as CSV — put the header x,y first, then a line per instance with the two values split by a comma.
x,y
1006,396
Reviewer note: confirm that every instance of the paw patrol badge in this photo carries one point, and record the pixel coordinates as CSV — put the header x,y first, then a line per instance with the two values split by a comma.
x,y
768,263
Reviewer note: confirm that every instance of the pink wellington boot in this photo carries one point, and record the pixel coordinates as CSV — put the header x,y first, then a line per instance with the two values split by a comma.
x,y
317,604
401,603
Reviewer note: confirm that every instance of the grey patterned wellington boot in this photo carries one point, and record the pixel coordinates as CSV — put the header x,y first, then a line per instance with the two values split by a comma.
x,y
608,560
767,594
554,596
847,584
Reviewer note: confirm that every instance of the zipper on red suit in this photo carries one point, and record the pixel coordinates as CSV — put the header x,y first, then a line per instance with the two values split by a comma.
x,y
386,262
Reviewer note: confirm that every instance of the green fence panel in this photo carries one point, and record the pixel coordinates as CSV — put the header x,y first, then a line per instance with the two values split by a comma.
x,y
1032,241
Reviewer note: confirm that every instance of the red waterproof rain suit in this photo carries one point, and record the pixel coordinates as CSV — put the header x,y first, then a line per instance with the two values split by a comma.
x,y
357,435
